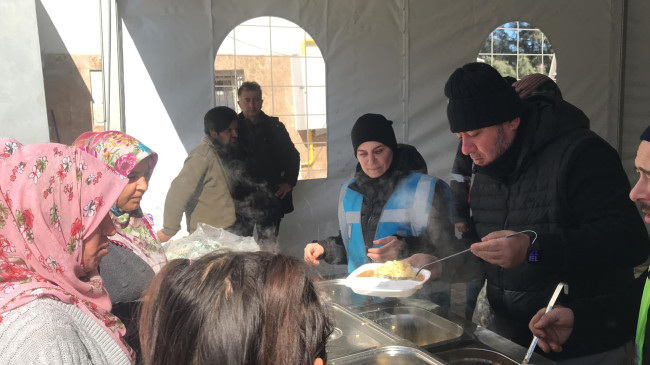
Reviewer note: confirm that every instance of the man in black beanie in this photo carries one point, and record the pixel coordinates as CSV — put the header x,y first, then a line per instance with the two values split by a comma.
x,y
539,169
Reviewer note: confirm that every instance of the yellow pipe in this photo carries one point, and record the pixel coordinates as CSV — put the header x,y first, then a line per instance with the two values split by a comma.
x,y
312,157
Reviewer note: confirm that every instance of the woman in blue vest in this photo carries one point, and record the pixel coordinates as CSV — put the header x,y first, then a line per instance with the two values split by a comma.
x,y
390,210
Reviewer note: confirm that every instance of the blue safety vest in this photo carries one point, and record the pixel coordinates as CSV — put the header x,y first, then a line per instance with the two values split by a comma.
x,y
406,213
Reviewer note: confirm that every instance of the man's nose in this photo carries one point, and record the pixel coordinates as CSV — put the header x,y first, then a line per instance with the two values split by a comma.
x,y
639,191
467,147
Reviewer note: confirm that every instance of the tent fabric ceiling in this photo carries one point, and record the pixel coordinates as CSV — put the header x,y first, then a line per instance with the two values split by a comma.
x,y
384,56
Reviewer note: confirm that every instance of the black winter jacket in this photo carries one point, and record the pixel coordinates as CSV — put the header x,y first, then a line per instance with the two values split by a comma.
x,y
271,156
566,183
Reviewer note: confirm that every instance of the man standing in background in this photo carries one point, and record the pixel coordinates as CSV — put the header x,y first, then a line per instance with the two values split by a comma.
x,y
202,189
272,159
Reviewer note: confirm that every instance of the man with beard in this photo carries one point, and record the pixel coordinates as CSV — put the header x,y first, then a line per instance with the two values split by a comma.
x,y
540,170
555,327
202,190
272,160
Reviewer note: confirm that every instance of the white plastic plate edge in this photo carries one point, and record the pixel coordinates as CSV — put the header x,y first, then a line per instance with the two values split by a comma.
x,y
383,287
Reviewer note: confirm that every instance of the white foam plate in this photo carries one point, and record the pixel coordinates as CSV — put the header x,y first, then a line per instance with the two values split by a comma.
x,y
380,287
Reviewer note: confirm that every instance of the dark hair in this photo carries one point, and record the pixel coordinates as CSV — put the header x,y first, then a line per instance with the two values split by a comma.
x,y
249,86
537,84
233,308
509,80
218,119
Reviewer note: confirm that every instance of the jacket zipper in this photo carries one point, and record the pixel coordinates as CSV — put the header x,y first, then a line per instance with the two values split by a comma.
x,y
505,226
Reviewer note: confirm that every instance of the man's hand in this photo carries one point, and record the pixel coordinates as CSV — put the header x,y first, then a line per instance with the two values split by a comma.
x,y
420,259
552,328
283,189
312,252
162,237
389,251
496,249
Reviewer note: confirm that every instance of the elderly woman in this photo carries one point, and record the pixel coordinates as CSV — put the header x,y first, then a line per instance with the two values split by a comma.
x,y
135,254
54,223
234,308
390,210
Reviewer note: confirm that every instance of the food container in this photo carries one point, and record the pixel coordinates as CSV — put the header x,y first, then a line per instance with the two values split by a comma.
x,y
417,325
393,355
475,356
335,291
353,334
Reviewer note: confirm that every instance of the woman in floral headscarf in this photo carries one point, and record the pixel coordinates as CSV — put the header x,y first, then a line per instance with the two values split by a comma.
x,y
135,254
54,223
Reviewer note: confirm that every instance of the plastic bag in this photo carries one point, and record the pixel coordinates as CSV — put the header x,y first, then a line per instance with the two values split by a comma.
x,y
206,239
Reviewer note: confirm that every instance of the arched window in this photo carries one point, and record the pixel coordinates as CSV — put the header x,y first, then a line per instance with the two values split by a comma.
x,y
288,65
518,49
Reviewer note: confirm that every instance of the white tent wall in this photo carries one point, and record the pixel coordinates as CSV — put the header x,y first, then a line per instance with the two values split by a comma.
x,y
385,56
636,116
22,94
444,35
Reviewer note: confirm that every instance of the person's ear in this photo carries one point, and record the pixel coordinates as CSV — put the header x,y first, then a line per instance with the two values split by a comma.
x,y
514,124
318,361
214,134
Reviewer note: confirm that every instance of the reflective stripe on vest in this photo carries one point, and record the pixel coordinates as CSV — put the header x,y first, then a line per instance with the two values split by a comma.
x,y
406,213
641,324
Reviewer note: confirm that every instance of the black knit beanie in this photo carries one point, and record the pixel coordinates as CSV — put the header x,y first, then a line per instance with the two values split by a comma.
x,y
479,97
645,136
373,127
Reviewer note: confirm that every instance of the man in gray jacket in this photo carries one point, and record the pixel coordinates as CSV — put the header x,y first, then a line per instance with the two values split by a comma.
x,y
202,190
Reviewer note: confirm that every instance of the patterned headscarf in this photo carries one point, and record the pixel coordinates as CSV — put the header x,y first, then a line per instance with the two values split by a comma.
x,y
52,197
134,229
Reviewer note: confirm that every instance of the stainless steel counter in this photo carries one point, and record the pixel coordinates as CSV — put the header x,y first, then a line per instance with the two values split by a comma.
x,y
408,325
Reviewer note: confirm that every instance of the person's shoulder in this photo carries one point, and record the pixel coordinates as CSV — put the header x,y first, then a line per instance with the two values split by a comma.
x,y
205,150
272,121
60,332
49,318
585,139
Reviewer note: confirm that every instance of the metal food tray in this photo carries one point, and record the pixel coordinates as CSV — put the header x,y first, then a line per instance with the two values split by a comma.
x,y
475,356
335,291
354,334
415,324
393,355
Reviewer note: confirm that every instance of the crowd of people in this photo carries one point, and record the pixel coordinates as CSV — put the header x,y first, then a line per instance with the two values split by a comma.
x,y
535,195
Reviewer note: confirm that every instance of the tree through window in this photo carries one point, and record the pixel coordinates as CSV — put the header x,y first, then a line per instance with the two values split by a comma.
x,y
518,49
289,67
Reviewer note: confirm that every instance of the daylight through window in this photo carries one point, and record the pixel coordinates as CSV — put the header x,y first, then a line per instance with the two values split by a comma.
x,y
518,49
288,65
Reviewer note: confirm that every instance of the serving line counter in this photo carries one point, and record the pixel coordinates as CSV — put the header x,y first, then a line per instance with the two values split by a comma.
x,y
372,330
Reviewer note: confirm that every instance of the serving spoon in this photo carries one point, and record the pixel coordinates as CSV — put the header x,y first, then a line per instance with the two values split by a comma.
x,y
452,255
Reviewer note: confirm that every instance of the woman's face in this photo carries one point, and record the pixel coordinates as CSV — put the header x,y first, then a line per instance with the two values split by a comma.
x,y
129,199
375,158
95,246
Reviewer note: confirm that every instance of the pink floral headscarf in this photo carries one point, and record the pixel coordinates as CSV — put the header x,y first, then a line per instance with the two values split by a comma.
x,y
52,197
134,229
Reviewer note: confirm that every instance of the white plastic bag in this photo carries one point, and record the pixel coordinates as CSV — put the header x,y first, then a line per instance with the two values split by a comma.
x,y
206,239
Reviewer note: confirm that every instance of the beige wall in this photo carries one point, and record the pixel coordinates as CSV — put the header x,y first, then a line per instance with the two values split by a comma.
x,y
278,101
67,95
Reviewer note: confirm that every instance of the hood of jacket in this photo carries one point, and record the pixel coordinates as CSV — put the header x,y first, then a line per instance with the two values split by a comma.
x,y
543,121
